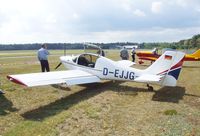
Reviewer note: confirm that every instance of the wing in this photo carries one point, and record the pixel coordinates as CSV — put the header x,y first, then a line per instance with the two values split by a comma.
x,y
148,78
70,77
127,63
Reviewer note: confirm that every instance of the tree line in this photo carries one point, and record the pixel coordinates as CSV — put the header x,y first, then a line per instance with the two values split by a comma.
x,y
57,46
192,43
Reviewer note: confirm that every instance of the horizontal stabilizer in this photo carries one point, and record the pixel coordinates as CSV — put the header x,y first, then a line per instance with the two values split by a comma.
x,y
148,78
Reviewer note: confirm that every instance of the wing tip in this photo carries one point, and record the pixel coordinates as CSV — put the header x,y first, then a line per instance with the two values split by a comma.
x,y
14,80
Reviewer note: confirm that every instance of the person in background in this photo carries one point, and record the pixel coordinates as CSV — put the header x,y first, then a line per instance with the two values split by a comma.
x,y
103,53
155,51
124,54
43,58
133,54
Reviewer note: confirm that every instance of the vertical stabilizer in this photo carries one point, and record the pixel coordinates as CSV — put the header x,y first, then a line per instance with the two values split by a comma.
x,y
168,66
196,53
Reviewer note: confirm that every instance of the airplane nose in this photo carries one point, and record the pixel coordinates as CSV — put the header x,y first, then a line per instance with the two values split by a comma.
x,y
62,58
65,58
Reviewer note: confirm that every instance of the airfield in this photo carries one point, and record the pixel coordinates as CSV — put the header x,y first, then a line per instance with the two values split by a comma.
x,y
107,108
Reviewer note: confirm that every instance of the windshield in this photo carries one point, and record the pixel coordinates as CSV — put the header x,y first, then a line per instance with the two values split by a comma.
x,y
87,60
91,48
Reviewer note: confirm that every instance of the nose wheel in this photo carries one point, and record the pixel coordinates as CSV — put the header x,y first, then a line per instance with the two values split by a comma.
x,y
150,88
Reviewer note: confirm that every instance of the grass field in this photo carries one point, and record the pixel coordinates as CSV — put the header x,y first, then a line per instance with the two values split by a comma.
x,y
108,108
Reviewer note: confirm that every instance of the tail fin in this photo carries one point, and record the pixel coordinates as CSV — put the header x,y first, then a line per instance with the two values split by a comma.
x,y
196,53
168,66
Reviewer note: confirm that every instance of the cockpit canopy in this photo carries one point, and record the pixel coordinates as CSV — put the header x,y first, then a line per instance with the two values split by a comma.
x,y
88,60
91,48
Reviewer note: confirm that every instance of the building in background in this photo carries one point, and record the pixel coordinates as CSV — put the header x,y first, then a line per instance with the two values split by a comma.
x,y
131,46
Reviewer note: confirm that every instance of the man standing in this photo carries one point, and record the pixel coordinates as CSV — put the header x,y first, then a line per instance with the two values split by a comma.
x,y
43,58
124,54
155,51
133,54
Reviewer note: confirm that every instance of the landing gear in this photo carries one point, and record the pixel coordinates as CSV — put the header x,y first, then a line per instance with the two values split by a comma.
x,y
150,88
141,62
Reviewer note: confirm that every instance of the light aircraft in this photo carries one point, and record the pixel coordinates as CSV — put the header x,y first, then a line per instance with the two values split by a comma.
x,y
152,56
92,67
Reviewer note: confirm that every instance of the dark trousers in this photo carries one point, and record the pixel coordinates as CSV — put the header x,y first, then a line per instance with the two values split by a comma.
x,y
44,65
133,58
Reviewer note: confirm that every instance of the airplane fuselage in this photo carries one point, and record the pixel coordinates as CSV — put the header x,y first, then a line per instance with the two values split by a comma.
x,y
104,69
152,57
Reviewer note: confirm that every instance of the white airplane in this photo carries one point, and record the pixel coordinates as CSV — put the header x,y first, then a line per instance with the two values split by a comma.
x,y
91,67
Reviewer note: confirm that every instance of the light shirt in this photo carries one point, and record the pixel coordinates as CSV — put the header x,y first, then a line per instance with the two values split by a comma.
x,y
42,54
133,51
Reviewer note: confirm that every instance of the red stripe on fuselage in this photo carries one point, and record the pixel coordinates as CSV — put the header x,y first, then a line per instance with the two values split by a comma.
x,y
140,54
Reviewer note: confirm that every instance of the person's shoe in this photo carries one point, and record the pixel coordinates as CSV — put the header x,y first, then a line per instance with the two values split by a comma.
x,y
1,92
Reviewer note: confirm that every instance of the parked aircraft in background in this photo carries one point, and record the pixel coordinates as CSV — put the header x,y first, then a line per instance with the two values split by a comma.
x,y
92,67
153,56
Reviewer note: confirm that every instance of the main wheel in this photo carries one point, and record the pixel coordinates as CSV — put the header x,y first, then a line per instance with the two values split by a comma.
x,y
150,88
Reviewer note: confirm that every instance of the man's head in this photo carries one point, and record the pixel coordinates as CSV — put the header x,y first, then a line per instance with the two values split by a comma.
x,y
44,46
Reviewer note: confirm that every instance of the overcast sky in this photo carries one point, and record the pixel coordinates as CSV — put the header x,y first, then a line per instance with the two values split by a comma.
x,y
31,21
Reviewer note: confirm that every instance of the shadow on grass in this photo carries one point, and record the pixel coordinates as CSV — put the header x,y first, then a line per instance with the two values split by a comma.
x,y
166,94
64,103
169,94
6,106
68,101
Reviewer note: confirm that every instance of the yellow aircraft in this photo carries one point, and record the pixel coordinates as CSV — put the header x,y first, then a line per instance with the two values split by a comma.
x,y
153,56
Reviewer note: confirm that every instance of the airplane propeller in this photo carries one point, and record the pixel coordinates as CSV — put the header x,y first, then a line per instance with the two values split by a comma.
x,y
58,65
64,55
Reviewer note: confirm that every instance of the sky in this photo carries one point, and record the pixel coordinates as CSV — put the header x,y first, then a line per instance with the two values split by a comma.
x,y
104,21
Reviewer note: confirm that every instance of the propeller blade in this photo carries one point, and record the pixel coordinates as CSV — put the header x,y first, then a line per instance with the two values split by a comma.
x,y
58,66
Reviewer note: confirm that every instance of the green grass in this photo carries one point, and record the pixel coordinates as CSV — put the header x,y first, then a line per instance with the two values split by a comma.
x,y
109,108
170,112
37,128
93,112
18,53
